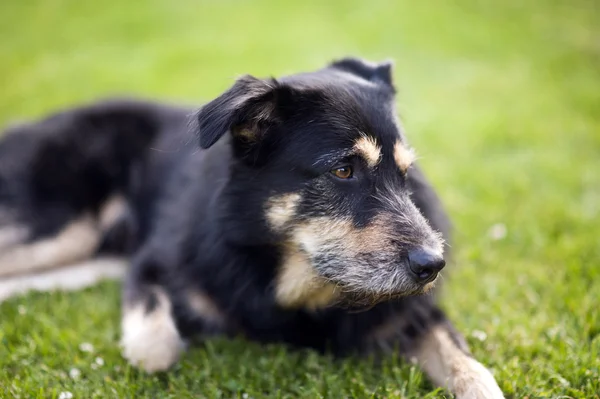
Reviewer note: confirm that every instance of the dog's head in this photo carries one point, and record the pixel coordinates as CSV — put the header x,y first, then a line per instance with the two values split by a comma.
x,y
320,169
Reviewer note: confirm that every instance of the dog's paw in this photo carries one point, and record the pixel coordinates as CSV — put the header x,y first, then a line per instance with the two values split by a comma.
x,y
476,382
150,341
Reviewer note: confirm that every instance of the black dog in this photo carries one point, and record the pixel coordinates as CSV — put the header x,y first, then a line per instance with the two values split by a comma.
x,y
301,205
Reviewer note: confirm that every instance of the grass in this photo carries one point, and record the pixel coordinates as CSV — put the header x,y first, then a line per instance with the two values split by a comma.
x,y
501,99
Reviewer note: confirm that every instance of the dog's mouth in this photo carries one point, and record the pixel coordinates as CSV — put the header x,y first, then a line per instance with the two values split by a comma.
x,y
357,300
426,278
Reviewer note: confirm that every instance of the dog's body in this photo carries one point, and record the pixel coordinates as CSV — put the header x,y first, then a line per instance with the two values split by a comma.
x,y
302,206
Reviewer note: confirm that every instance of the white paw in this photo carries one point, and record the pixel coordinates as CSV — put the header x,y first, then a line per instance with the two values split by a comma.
x,y
151,341
476,382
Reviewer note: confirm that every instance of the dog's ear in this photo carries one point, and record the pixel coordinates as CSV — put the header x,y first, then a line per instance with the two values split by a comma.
x,y
245,109
382,71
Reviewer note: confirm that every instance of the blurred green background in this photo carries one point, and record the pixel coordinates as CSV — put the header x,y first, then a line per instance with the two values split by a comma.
x,y
501,100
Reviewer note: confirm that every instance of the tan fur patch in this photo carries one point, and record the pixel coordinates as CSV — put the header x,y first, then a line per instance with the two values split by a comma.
x,y
367,147
251,132
448,366
403,156
76,242
281,210
205,307
111,211
150,339
372,238
245,133
361,261
382,335
299,286
429,286
12,235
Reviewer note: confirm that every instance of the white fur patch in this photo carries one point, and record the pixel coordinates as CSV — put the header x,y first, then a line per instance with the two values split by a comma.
x,y
150,340
73,277
450,367
474,381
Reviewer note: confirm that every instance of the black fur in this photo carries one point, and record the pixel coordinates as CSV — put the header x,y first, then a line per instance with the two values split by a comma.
x,y
196,217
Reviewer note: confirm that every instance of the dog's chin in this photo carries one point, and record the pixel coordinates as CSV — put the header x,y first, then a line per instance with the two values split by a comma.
x,y
358,301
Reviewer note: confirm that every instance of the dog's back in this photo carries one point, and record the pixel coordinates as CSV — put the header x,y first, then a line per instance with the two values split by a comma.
x,y
83,180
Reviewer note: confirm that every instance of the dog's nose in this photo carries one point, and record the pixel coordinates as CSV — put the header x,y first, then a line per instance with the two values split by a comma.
x,y
425,264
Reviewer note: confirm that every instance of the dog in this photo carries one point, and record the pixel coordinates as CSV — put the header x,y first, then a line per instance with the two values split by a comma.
x,y
286,210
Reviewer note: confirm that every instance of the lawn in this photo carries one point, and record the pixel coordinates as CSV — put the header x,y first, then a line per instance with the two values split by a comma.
x,y
501,100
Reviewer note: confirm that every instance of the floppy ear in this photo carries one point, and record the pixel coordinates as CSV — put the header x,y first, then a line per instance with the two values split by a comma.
x,y
244,109
367,70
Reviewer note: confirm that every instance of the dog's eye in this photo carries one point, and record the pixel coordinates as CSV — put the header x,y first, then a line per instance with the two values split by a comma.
x,y
343,172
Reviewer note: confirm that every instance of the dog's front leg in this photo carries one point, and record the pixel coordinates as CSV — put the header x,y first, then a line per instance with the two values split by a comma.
x,y
423,334
150,337
447,365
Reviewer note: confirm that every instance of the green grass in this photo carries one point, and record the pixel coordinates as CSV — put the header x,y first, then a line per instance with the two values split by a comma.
x,y
501,100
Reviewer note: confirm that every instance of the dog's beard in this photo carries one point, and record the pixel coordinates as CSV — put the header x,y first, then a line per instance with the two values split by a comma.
x,y
356,301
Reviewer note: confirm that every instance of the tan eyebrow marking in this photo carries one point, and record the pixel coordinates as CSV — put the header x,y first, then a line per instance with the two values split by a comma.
x,y
367,148
403,156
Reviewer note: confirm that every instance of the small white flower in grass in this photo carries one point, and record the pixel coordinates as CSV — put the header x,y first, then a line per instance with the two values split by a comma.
x,y
497,231
479,335
65,395
86,347
98,362
74,373
21,309
561,380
